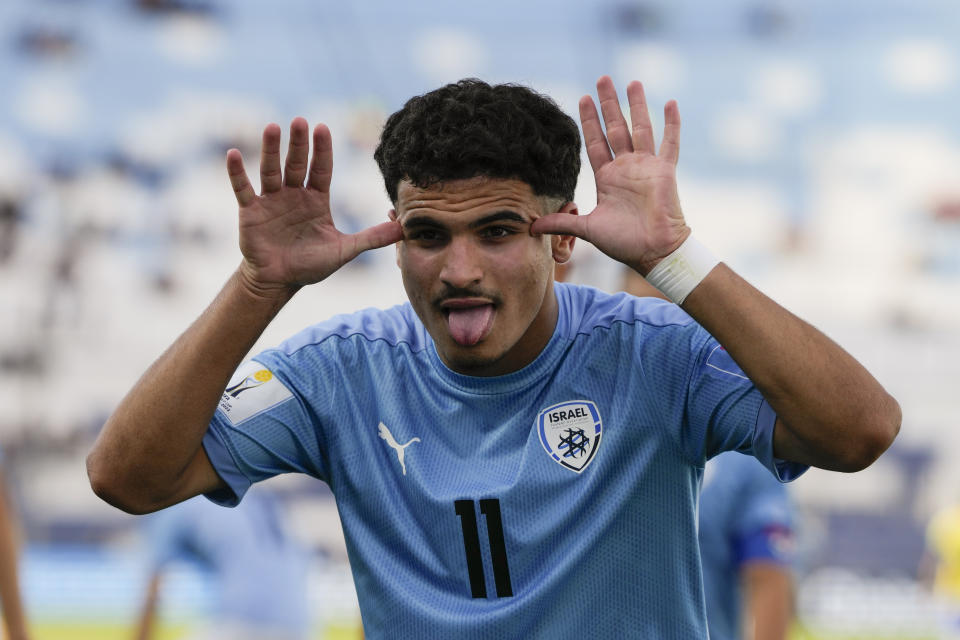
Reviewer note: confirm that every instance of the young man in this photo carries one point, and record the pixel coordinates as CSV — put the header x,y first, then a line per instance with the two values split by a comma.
x,y
510,457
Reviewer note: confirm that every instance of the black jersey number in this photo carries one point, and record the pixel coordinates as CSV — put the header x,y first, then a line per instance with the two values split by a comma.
x,y
490,508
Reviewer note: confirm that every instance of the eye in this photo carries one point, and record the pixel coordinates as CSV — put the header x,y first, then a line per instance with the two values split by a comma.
x,y
425,235
496,232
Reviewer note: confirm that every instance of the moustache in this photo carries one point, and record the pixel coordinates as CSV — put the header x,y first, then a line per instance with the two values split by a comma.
x,y
456,292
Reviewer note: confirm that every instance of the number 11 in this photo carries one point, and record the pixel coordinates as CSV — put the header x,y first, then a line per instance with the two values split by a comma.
x,y
489,507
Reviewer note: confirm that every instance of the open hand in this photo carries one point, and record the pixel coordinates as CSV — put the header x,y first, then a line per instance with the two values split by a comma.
x,y
287,235
638,219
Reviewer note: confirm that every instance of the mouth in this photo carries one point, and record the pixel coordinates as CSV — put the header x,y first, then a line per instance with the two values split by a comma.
x,y
469,320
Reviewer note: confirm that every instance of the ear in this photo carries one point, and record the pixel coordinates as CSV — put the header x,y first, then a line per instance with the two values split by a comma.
x,y
562,246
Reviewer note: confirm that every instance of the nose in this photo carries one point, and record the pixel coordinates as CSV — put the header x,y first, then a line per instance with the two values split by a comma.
x,y
462,264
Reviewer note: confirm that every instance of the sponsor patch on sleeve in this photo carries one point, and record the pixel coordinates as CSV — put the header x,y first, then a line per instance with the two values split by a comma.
x,y
252,390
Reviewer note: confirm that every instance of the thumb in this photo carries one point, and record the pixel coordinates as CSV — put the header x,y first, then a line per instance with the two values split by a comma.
x,y
561,223
377,236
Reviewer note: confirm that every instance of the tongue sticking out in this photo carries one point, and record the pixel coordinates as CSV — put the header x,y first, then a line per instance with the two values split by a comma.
x,y
468,326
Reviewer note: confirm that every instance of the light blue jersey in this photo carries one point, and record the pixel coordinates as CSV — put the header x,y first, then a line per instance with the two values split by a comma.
x,y
259,573
555,501
745,516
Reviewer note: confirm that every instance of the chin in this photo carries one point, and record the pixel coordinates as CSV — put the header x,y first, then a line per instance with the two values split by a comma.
x,y
471,360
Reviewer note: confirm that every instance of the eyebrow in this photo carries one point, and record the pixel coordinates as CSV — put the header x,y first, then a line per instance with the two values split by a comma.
x,y
499,216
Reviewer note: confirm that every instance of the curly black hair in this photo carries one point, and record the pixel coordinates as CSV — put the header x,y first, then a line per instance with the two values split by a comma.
x,y
470,128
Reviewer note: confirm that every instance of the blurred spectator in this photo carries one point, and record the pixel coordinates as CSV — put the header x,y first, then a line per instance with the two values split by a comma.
x,y
259,573
10,218
940,255
173,6
14,618
46,41
747,550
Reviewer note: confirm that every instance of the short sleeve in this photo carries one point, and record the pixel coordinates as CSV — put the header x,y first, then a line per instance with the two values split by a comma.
x,y
717,405
784,470
261,428
765,523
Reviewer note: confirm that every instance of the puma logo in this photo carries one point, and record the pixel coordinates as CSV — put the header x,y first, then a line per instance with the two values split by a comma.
x,y
393,444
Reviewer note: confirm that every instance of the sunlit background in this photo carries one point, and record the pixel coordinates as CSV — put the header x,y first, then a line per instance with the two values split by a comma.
x,y
820,157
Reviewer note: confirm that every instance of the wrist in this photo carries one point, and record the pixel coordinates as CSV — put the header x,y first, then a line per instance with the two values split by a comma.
x,y
273,294
679,272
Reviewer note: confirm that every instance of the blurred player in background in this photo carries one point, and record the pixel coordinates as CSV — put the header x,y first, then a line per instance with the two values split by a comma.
x,y
747,547
258,572
511,457
940,568
747,539
14,618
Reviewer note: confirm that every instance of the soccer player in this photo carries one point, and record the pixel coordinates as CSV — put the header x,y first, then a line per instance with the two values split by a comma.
x,y
511,457
748,550
940,568
14,616
258,571
747,538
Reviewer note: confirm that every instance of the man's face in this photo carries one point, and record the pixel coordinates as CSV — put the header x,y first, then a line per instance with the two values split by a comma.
x,y
480,283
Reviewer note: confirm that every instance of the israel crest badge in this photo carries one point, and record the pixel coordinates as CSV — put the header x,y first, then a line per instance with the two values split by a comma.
x,y
570,432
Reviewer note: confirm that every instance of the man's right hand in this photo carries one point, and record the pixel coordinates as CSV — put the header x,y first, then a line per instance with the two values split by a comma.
x,y
150,452
287,235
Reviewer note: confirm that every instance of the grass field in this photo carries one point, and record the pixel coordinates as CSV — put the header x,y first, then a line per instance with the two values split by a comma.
x,y
92,631
106,631
799,633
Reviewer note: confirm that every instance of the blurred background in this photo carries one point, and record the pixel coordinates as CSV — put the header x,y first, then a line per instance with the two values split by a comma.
x,y
820,158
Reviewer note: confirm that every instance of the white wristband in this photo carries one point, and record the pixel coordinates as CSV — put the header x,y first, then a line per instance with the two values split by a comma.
x,y
681,271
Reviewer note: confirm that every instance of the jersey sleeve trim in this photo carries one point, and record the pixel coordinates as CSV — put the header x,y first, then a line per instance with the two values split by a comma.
x,y
226,467
784,470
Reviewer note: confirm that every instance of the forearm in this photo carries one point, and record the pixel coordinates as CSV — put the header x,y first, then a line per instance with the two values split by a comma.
x,y
146,456
832,413
768,601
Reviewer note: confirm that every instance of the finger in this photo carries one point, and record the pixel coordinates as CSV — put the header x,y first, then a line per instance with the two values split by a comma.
x,y
561,223
321,165
380,235
618,133
242,188
596,143
295,168
270,177
642,129
670,145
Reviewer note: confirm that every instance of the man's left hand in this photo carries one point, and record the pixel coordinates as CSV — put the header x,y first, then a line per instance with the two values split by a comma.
x,y
638,220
